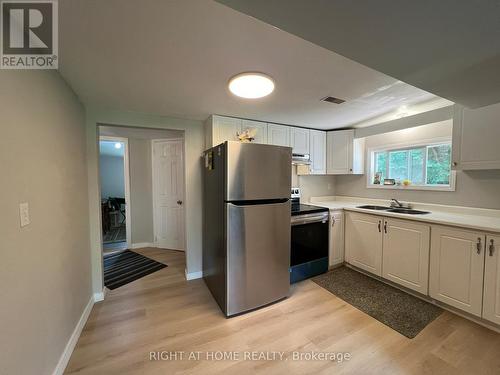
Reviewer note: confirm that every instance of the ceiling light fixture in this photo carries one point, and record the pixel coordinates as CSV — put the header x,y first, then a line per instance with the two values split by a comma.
x,y
118,145
251,85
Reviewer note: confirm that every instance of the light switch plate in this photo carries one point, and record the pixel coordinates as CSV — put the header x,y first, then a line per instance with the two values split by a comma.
x,y
24,214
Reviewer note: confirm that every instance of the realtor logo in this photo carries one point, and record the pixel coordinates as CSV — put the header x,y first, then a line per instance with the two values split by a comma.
x,y
29,34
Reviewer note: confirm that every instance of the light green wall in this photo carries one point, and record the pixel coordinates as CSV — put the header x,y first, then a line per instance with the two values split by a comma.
x,y
141,190
45,281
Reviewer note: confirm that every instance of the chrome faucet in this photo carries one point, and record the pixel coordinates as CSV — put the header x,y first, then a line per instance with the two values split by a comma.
x,y
396,203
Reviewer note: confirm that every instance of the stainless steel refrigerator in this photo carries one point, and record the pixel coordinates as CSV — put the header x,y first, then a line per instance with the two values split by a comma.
x,y
246,224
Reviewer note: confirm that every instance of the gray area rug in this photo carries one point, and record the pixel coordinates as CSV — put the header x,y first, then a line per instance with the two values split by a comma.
x,y
402,312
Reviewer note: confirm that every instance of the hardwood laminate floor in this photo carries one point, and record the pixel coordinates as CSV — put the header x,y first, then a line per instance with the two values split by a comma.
x,y
163,312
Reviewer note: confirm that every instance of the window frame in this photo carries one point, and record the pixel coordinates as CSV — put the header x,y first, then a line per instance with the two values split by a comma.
x,y
425,144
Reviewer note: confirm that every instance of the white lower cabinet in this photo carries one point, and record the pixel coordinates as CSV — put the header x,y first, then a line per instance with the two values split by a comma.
x,y
397,250
363,242
406,254
336,253
491,295
456,268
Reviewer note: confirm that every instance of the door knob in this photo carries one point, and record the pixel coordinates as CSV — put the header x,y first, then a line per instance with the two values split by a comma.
x,y
179,202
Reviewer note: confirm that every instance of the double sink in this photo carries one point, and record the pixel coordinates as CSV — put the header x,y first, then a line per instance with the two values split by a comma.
x,y
398,210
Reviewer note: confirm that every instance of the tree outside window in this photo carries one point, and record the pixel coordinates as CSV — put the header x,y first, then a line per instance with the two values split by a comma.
x,y
428,165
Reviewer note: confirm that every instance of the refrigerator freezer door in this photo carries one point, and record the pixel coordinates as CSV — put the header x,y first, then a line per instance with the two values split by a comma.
x,y
258,255
257,171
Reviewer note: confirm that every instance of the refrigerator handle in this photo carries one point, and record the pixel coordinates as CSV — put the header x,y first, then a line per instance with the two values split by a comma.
x,y
258,202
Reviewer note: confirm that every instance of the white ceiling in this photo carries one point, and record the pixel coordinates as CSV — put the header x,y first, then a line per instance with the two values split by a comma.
x,y
175,58
448,47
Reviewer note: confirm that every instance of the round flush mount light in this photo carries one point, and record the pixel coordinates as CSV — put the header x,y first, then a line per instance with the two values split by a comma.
x,y
251,85
118,145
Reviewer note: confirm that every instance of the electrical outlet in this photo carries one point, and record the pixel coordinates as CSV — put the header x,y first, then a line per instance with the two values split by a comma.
x,y
24,214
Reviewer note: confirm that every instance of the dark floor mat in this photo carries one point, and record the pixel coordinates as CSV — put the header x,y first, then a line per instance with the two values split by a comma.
x,y
401,311
127,266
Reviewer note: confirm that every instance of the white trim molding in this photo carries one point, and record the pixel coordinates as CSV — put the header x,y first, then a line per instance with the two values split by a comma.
x,y
70,345
140,245
193,275
395,146
98,297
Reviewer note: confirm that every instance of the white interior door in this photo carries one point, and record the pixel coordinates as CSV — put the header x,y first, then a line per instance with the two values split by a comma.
x,y
168,194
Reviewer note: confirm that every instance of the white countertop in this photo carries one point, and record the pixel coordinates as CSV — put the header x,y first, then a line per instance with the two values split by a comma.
x,y
467,217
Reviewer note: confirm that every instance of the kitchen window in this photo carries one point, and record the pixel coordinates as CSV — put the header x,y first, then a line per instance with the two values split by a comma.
x,y
425,166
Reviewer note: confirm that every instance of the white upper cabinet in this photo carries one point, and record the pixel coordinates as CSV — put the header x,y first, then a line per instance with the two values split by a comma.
x,y
476,133
299,140
491,299
278,135
456,268
345,155
260,127
406,253
317,151
219,129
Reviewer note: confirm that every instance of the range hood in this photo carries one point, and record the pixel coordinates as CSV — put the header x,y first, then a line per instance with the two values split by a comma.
x,y
301,159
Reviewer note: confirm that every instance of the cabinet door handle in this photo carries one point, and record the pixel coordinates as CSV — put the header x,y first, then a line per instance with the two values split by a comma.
x,y
478,245
492,247
385,227
379,229
333,221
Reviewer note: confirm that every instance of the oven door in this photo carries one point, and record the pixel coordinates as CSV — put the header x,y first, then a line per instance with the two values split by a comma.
x,y
309,245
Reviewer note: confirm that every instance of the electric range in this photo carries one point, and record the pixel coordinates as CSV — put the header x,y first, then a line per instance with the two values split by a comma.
x,y
309,239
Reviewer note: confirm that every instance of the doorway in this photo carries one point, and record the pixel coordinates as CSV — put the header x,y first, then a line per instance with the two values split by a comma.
x,y
115,197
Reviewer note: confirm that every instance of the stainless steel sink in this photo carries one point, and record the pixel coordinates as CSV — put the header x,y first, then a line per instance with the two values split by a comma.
x,y
396,210
407,211
378,208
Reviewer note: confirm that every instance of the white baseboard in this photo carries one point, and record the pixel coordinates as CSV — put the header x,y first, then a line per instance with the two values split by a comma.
x,y
98,297
142,244
193,275
70,345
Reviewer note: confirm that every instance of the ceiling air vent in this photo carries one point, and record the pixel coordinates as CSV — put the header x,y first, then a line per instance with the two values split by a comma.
x,y
331,99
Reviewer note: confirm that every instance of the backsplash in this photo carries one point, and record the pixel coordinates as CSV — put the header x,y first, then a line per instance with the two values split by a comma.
x,y
313,185
473,189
